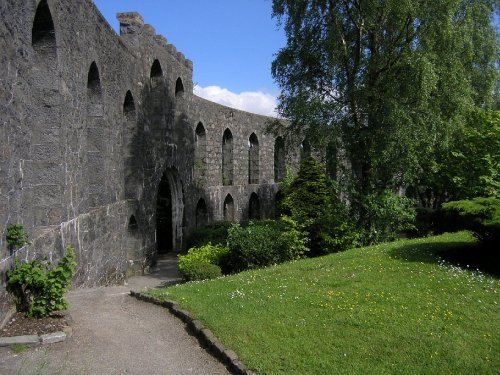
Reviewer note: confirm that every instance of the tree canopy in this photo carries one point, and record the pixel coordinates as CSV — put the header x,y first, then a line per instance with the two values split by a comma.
x,y
388,80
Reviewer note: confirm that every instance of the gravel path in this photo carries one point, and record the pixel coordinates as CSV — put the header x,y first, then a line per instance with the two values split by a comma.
x,y
114,333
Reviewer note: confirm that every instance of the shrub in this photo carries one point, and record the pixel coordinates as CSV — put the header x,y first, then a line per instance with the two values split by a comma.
x,y
479,215
388,215
264,243
207,254
307,197
16,236
308,201
214,233
314,201
38,290
198,270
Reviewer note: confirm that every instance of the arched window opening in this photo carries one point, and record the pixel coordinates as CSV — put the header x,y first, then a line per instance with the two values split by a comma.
x,y
179,87
228,208
170,218
254,207
94,91
253,159
201,214
227,158
156,74
132,225
200,155
279,159
305,150
164,214
129,107
200,133
43,35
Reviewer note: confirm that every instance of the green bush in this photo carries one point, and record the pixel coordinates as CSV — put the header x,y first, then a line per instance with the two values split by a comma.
x,y
388,215
207,254
263,243
308,201
16,236
38,290
314,201
479,215
425,222
198,270
214,233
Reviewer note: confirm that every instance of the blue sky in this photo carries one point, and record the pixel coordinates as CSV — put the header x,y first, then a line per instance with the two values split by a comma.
x,y
231,43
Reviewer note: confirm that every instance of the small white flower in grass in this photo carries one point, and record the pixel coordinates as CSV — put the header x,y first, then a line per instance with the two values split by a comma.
x,y
237,294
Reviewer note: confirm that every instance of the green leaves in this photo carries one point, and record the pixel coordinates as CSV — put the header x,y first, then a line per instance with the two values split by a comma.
x,y
389,81
16,236
39,290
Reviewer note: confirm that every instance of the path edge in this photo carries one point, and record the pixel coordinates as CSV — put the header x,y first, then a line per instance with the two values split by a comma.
x,y
203,334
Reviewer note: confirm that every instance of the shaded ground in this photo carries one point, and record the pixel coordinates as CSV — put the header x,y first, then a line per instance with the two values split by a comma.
x,y
114,333
466,255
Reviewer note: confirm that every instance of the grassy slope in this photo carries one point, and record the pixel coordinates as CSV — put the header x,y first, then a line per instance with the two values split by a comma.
x,y
391,308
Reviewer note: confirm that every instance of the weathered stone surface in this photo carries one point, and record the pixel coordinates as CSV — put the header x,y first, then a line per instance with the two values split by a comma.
x,y
90,124
196,325
51,338
27,340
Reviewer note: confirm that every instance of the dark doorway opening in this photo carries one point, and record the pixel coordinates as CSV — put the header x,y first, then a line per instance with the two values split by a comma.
x,y
164,229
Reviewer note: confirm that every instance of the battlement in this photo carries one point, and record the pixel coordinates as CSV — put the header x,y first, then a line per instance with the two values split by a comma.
x,y
132,23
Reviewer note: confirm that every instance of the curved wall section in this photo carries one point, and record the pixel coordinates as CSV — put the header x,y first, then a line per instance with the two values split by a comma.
x,y
91,122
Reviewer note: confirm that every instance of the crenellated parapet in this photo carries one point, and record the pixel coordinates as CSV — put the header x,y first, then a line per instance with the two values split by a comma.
x,y
132,24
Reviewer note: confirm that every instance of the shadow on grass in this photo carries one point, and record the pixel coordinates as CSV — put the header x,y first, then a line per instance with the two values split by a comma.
x,y
465,255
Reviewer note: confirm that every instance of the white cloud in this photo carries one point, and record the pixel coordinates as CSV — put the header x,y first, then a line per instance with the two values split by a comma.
x,y
251,101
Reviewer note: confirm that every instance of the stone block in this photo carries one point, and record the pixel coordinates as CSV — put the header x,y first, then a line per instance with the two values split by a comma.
x,y
47,195
19,340
95,139
130,22
51,338
42,173
48,152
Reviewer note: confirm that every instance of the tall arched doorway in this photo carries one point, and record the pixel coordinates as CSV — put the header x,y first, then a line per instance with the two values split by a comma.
x,y
169,213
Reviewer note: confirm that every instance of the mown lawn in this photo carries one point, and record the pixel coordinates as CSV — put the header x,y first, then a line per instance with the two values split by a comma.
x,y
390,308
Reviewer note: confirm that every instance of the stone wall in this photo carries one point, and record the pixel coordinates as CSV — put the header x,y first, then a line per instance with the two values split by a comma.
x,y
92,122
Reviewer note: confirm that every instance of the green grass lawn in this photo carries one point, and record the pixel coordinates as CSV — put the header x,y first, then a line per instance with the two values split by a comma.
x,y
390,308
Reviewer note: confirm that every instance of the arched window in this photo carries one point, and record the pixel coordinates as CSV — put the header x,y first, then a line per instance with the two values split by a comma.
x,y
228,209
43,36
179,87
132,225
94,91
129,134
201,213
279,159
129,107
254,207
227,158
253,159
200,155
156,75
305,149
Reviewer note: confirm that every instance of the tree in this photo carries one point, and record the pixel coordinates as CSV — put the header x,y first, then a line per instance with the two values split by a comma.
x,y
389,79
467,167
312,201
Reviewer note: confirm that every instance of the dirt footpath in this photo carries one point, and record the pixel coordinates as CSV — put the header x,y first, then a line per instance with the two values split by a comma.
x,y
114,333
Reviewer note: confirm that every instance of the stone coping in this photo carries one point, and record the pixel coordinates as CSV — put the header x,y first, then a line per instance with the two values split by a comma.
x,y
204,335
47,338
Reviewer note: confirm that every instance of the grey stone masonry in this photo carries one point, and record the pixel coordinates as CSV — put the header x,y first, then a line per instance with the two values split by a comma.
x,y
92,122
